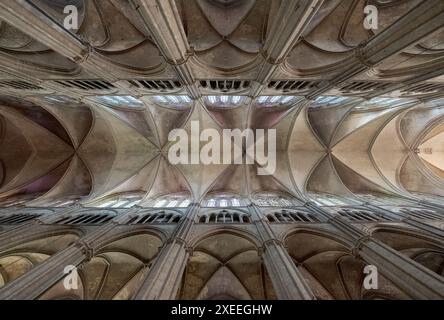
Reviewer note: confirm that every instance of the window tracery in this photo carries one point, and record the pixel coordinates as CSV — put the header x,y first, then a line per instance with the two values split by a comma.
x,y
272,199
156,217
180,200
324,199
288,216
118,201
362,215
223,201
224,216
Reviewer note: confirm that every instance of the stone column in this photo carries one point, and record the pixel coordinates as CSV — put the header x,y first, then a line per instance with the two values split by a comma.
x,y
291,19
413,278
287,280
46,274
163,280
162,19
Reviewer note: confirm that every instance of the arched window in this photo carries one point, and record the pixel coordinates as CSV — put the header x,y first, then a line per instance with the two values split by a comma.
x,y
18,199
273,199
108,203
325,199
422,214
261,202
382,199
429,197
62,202
118,201
361,215
119,101
172,201
18,218
285,202
273,202
273,101
185,203
172,204
222,200
224,101
160,203
155,217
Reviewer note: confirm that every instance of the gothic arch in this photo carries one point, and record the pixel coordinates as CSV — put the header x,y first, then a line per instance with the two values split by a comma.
x,y
41,233
237,232
102,277
330,268
21,258
225,265
117,235
424,249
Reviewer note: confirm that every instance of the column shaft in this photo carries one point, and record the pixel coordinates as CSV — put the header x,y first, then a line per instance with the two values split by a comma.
x,y
416,280
43,276
162,18
46,274
163,280
287,280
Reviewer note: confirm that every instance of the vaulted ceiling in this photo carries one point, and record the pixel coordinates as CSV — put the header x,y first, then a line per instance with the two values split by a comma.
x,y
85,114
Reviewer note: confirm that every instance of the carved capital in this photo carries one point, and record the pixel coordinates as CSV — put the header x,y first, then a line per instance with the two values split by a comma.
x,y
360,52
86,248
358,245
273,242
84,55
271,60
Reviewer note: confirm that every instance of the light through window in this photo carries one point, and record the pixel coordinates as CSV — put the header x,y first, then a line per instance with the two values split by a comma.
x,y
60,99
185,203
120,101
211,203
160,204
384,102
173,100
271,101
438,102
224,101
331,101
